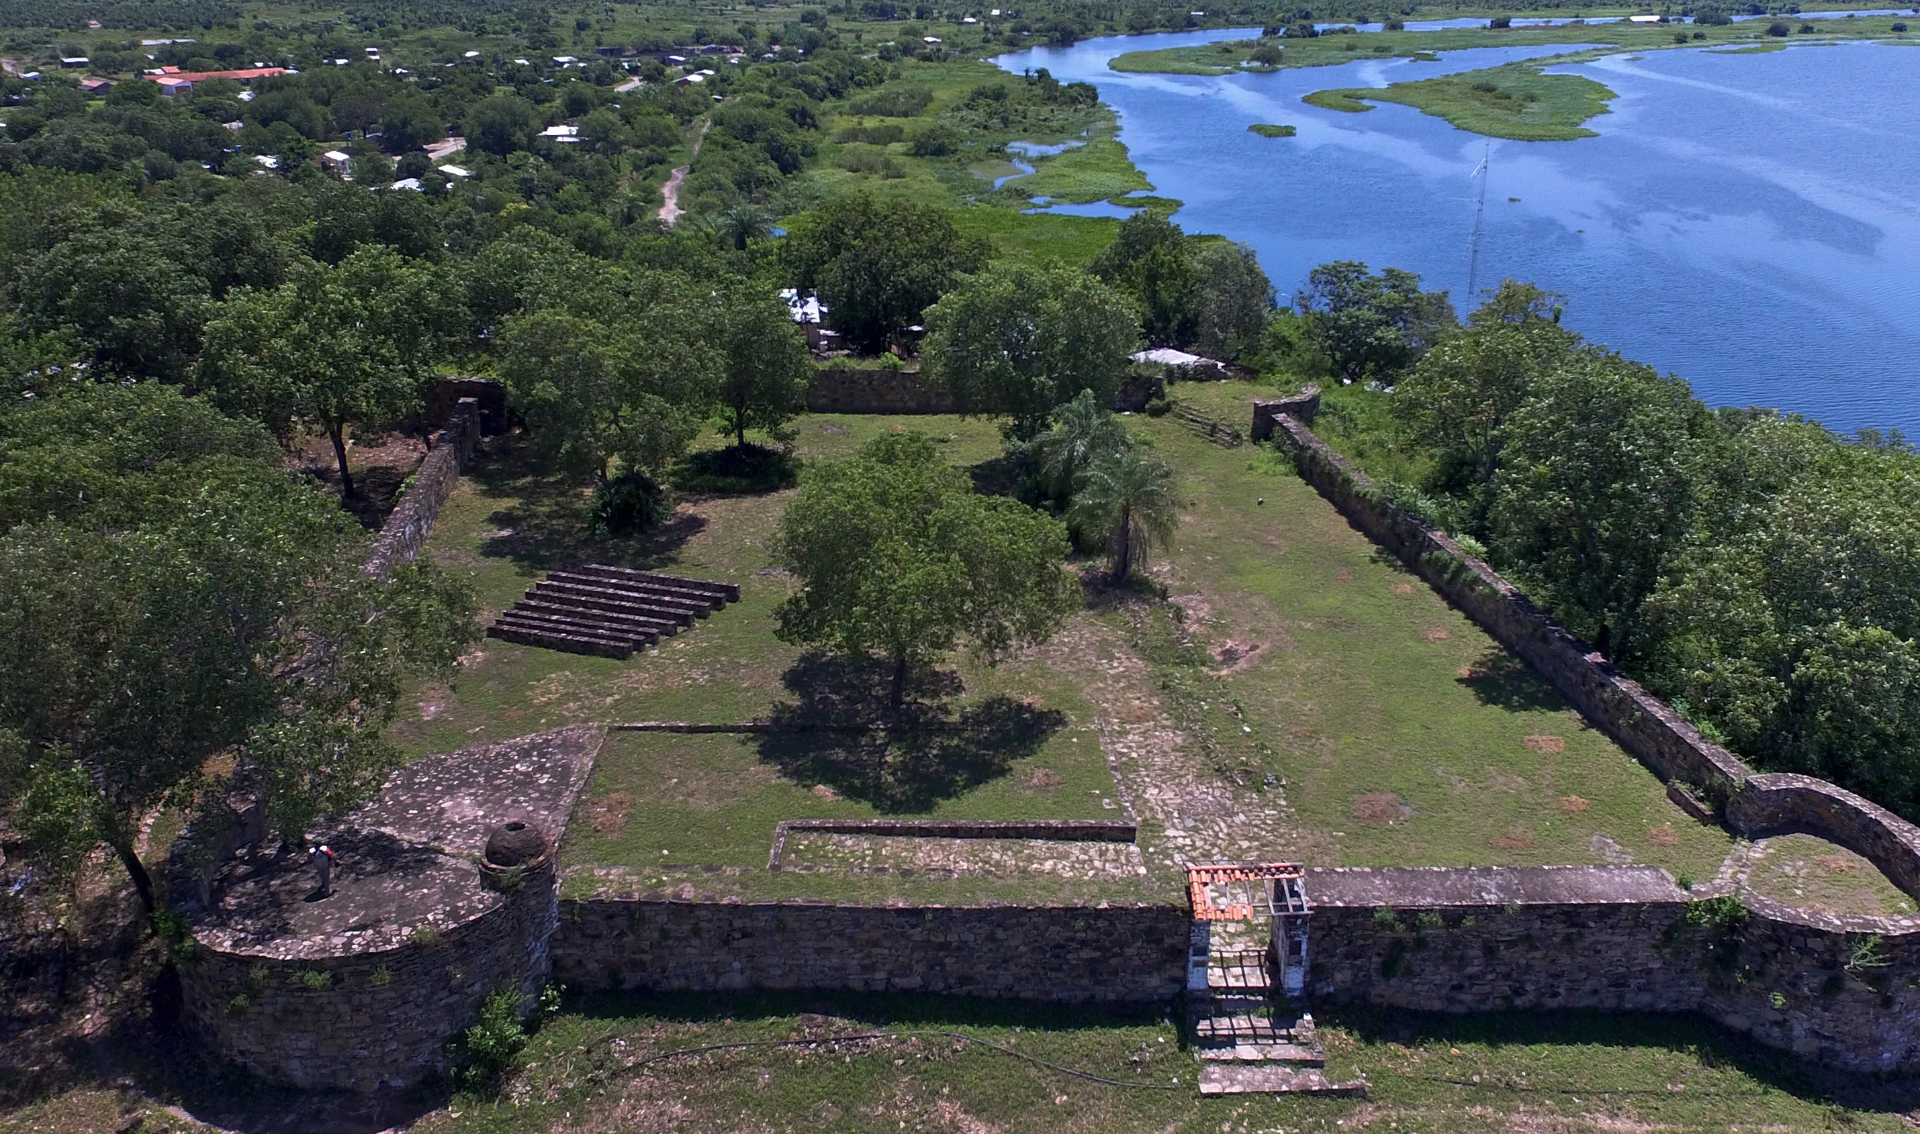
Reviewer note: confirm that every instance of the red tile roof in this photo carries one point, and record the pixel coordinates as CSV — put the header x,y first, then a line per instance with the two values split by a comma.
x,y
199,76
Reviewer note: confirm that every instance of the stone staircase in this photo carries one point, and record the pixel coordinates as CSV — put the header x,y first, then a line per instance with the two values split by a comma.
x,y
1218,432
1247,1039
609,611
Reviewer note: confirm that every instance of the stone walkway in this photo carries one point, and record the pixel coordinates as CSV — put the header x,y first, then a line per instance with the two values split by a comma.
x,y
952,858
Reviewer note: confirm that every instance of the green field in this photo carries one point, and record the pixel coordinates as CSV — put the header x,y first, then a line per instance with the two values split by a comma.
x,y
932,1069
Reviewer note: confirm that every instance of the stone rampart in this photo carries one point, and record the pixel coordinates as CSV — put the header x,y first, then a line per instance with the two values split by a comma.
x,y
368,1020
361,988
1030,953
1303,406
411,521
1834,990
1640,722
852,389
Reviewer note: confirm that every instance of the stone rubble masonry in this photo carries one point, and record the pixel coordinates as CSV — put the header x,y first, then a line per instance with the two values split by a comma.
x,y
363,990
1751,804
1060,953
852,389
411,521
1620,939
1303,407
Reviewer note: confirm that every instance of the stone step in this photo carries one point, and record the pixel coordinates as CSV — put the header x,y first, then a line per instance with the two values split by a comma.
x,y
1302,1054
568,594
589,591
700,605
1273,1078
534,620
568,620
509,631
648,630
724,591
1241,1028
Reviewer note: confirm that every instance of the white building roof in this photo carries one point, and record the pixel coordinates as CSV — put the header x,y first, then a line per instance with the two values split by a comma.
x,y
412,183
456,171
1167,356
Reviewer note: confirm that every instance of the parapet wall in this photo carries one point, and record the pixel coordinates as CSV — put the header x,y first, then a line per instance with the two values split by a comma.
x,y
411,522
850,389
1833,990
374,1020
1015,952
1751,804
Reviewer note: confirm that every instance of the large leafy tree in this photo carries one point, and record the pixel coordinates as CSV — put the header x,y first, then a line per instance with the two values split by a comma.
x,y
1151,260
1372,326
333,347
1232,301
878,264
765,365
1791,619
1019,340
1126,500
1596,489
1456,402
616,382
898,557
174,595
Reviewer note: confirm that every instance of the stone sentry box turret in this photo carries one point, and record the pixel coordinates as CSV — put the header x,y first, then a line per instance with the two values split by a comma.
x,y
444,892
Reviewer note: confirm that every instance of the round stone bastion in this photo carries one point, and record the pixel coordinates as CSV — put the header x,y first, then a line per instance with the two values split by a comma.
x,y
443,892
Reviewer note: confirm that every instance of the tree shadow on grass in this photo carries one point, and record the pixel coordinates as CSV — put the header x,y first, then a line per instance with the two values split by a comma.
x,y
842,732
1499,679
541,523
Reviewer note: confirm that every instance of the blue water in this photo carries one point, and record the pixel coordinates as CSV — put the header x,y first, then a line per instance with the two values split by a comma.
x,y
1750,222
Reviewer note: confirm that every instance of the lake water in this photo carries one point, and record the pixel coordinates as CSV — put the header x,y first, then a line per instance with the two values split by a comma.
x,y
1750,222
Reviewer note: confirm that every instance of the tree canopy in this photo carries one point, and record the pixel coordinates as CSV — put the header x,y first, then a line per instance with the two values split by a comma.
x,y
878,264
898,557
172,597
1018,340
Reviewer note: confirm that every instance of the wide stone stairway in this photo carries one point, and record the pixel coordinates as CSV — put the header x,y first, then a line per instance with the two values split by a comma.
x,y
1248,1039
609,611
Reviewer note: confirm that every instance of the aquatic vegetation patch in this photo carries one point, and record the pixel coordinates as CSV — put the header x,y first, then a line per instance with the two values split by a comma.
x,y
1270,130
1516,101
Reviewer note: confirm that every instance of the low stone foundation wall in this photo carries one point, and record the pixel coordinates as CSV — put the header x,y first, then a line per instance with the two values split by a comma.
x,y
1027,953
1834,990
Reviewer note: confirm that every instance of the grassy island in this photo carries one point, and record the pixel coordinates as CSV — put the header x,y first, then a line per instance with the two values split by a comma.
x,y
1517,102
1269,130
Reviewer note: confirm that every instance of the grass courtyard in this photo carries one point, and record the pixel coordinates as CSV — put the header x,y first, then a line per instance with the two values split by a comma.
x,y
1341,710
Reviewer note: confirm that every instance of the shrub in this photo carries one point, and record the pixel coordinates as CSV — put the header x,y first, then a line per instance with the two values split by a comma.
x,y
1900,27
489,1047
894,102
317,980
936,141
1724,913
1779,27
627,505
1500,22
239,1004
883,135
1806,28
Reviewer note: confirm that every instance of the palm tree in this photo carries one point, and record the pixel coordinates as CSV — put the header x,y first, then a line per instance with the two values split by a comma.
x,y
1083,432
1127,499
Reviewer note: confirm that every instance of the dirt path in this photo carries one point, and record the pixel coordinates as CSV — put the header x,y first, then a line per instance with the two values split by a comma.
x,y
671,210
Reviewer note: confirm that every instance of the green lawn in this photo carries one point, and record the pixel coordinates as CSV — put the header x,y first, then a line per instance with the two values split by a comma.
x,y
1405,735
1550,1072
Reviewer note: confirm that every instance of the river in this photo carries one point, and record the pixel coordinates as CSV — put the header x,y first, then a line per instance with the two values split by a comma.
x,y
1748,221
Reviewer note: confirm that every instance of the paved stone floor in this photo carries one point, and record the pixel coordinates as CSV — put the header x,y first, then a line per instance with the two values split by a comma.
x,y
952,858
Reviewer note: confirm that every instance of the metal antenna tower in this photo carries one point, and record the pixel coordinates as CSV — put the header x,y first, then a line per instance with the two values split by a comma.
x,y
1479,225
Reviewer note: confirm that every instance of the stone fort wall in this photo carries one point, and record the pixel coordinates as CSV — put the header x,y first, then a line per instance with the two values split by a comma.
x,y
855,389
1063,953
374,1020
1832,990
1751,804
